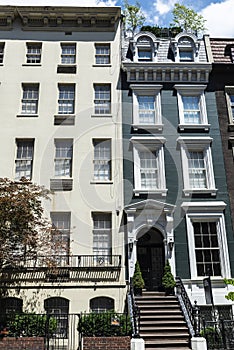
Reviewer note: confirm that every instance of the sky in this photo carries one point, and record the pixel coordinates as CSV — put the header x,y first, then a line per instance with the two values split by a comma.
x,y
217,13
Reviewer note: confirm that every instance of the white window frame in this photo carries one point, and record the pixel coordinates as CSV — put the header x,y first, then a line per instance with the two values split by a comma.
x,y
147,90
105,102
106,57
229,90
102,237
203,144
149,144
30,99
190,91
61,235
68,59
66,99
105,161
33,56
69,159
213,212
28,160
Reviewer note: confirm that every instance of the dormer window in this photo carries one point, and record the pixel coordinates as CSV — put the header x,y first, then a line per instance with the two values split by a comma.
x,y
186,49
144,47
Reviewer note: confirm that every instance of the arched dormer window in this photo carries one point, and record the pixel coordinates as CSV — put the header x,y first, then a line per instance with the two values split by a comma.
x,y
144,47
185,47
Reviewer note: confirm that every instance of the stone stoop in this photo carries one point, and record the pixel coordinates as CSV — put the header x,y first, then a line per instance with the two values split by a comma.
x,y
162,324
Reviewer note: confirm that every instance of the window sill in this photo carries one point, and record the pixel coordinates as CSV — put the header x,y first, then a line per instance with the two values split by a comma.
x,y
64,119
190,192
99,182
205,127
31,64
102,65
101,115
27,116
150,127
162,192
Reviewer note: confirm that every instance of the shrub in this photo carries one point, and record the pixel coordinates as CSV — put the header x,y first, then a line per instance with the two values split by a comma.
x,y
105,324
168,280
138,281
31,325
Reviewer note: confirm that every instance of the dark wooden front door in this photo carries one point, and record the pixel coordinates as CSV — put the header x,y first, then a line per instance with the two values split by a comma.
x,y
151,259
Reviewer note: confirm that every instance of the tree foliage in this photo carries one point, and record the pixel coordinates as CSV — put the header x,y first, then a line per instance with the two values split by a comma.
x,y
187,19
230,295
24,231
133,16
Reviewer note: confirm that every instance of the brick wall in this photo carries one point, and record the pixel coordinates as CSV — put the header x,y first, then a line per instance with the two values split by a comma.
x,y
105,343
22,343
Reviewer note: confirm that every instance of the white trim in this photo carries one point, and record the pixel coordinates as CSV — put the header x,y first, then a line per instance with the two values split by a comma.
x,y
213,216
197,144
146,90
149,144
229,90
192,90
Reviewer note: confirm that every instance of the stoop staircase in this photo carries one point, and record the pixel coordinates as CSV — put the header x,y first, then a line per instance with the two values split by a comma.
x,y
162,324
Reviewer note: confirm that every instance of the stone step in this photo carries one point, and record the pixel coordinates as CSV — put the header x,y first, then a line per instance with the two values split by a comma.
x,y
167,328
167,342
165,322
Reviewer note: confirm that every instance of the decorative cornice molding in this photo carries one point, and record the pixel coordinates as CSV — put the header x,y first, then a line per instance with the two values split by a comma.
x,y
167,72
51,18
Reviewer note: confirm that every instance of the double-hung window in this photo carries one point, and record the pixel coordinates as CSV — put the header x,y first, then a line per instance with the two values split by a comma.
x,y
102,99
24,159
207,242
192,107
2,45
102,159
102,239
63,158
30,99
197,165
102,54
33,55
149,172
68,54
147,106
61,222
66,102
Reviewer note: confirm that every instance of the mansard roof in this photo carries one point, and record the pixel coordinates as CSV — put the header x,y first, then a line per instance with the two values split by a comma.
x,y
222,50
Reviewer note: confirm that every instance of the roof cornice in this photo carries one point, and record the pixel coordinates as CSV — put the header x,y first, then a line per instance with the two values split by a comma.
x,y
167,72
50,18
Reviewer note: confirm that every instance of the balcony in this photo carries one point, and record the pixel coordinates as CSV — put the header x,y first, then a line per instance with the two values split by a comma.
x,y
63,268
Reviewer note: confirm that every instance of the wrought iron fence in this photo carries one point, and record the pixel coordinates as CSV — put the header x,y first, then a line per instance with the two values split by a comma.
x,y
219,334
58,330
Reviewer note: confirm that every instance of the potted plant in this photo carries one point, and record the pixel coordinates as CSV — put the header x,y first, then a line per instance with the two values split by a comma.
x,y
168,280
138,281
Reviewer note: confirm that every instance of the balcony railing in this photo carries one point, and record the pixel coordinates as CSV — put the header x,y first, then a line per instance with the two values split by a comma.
x,y
64,267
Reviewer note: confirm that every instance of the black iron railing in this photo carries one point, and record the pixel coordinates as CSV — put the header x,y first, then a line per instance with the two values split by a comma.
x,y
191,312
69,261
134,312
219,334
58,330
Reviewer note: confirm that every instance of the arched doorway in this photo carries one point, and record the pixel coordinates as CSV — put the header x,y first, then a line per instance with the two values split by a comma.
x,y
151,257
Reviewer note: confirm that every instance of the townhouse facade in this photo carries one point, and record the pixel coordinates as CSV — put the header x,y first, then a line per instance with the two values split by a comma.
x,y
176,200
61,128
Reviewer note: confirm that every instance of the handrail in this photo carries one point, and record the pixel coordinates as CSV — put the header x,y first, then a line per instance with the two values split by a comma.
x,y
191,313
133,311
